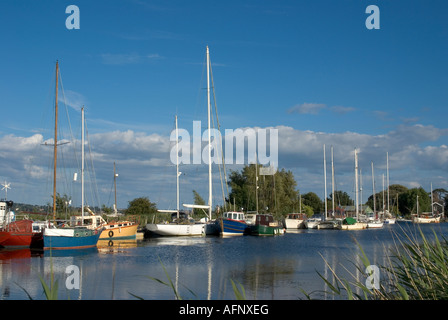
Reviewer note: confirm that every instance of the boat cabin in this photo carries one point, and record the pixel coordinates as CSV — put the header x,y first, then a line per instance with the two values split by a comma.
x,y
300,216
87,221
6,216
234,215
261,219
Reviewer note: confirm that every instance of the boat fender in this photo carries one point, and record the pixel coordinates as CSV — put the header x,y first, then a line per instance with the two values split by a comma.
x,y
110,243
111,233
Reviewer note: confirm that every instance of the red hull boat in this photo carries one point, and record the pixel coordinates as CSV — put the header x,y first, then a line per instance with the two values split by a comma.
x,y
20,234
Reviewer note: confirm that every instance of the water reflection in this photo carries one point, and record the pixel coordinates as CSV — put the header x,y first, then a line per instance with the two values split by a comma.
x,y
115,246
202,267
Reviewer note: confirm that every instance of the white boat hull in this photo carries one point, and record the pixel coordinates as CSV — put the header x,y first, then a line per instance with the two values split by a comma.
x,y
389,220
293,223
311,224
426,220
374,224
327,225
356,226
173,229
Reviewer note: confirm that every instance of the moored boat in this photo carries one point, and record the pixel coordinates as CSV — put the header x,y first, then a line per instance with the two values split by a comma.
x,y
426,218
111,230
295,221
375,224
264,225
233,224
181,225
390,220
70,238
311,223
18,233
351,224
328,224
21,233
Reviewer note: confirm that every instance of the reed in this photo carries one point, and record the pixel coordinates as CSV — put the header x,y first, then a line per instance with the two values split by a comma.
x,y
416,269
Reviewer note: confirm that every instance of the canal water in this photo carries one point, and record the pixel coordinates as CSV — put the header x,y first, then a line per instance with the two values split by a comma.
x,y
203,268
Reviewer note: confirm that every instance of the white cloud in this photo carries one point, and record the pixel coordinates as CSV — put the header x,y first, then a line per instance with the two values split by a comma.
x,y
72,99
145,168
307,108
342,109
315,108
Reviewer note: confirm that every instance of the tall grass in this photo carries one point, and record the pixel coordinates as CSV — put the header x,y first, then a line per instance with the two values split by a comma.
x,y
416,269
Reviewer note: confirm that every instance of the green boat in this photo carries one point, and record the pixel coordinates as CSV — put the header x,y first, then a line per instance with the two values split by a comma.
x,y
263,225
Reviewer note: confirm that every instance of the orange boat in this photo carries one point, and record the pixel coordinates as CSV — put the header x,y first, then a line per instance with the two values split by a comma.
x,y
112,230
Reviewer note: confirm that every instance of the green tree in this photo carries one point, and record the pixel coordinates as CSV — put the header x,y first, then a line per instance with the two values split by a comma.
x,y
341,198
200,201
141,206
277,193
106,210
62,205
312,200
408,201
395,190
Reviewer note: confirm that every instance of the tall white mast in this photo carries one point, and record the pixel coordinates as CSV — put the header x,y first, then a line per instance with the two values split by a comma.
x,y
373,190
115,191
356,185
384,206
332,180
432,201
325,184
360,188
256,182
209,138
387,178
177,168
82,162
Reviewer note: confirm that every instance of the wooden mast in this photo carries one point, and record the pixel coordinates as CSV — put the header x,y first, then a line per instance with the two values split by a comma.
x,y
55,144
115,190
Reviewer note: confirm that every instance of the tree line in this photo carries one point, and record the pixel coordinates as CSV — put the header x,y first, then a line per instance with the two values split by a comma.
x,y
278,194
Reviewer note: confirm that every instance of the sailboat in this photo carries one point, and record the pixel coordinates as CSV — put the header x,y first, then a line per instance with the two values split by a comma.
x,y
375,222
354,223
181,224
74,237
328,223
426,217
388,218
113,230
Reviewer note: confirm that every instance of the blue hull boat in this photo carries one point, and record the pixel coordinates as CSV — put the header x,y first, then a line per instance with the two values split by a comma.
x,y
70,238
233,224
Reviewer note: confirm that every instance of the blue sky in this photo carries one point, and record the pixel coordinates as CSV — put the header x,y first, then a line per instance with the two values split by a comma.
x,y
311,69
